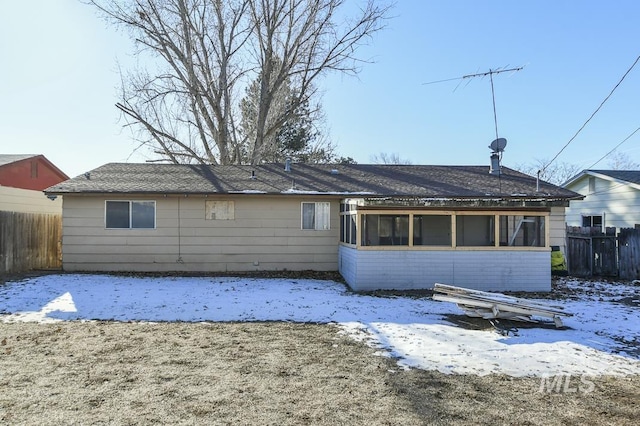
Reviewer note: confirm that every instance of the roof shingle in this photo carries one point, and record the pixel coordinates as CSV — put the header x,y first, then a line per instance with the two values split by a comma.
x,y
632,176
336,179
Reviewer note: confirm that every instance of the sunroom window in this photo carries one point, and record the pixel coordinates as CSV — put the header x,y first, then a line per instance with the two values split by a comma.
x,y
348,228
522,231
385,230
475,230
130,214
432,230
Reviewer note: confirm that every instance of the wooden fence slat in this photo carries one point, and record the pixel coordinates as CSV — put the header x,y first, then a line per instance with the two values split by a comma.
x,y
591,251
629,253
29,241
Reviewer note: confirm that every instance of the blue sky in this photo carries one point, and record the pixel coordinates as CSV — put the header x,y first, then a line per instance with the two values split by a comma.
x,y
59,83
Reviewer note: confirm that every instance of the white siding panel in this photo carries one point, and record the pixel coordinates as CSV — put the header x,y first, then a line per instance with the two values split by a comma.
x,y
558,229
481,270
619,203
347,264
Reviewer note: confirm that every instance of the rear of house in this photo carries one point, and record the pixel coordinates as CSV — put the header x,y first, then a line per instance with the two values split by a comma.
x,y
198,233
382,227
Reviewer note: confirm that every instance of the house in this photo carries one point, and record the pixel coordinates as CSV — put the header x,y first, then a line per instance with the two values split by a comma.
x,y
381,226
22,179
611,199
27,171
30,223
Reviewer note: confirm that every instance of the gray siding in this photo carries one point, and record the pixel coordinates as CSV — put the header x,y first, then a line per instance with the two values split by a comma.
x,y
265,235
478,269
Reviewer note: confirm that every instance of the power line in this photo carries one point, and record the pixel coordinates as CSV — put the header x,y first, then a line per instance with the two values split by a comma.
x,y
594,113
616,147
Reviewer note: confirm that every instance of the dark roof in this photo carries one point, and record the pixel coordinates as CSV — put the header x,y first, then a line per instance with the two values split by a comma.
x,y
321,179
632,176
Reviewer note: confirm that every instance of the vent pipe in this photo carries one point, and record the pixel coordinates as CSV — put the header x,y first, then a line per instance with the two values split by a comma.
x,y
287,165
495,164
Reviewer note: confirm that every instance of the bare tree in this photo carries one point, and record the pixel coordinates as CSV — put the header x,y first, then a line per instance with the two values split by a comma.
x,y
621,161
556,173
187,109
385,158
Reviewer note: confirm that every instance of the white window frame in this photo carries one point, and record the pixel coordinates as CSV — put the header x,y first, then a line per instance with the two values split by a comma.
x,y
591,216
130,212
321,216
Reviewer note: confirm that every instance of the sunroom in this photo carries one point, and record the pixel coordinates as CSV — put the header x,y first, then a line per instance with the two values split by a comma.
x,y
481,244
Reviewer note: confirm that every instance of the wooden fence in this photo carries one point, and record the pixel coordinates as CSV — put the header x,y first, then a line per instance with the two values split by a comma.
x,y
629,253
590,252
29,241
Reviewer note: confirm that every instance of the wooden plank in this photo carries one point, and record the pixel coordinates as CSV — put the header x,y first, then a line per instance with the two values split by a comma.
x,y
494,297
629,253
498,306
488,305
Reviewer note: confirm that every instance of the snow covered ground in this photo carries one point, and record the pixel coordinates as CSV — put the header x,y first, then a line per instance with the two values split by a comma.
x,y
602,337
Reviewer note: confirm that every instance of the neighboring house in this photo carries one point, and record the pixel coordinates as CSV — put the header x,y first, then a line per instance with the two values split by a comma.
x,y
30,222
28,201
22,179
611,199
381,226
27,171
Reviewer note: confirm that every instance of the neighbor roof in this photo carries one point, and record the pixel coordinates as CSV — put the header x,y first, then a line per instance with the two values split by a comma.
x,y
322,179
6,159
12,158
629,176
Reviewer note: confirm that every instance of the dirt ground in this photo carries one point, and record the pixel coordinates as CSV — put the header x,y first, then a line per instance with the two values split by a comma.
x,y
266,374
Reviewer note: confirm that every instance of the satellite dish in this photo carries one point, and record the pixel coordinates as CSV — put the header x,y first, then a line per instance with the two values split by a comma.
x,y
498,145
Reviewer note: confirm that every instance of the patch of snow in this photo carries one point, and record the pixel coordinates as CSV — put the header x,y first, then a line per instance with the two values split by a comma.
x,y
248,191
600,339
345,193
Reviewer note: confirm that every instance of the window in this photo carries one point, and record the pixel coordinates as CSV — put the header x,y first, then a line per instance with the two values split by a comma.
x,y
315,216
475,230
592,221
522,231
432,230
348,228
348,215
130,214
435,229
385,230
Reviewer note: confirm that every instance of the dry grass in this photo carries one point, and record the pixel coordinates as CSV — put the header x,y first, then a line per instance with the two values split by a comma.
x,y
261,373
171,373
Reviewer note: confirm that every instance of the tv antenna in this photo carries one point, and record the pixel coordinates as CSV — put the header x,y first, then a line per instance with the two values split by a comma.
x,y
489,73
